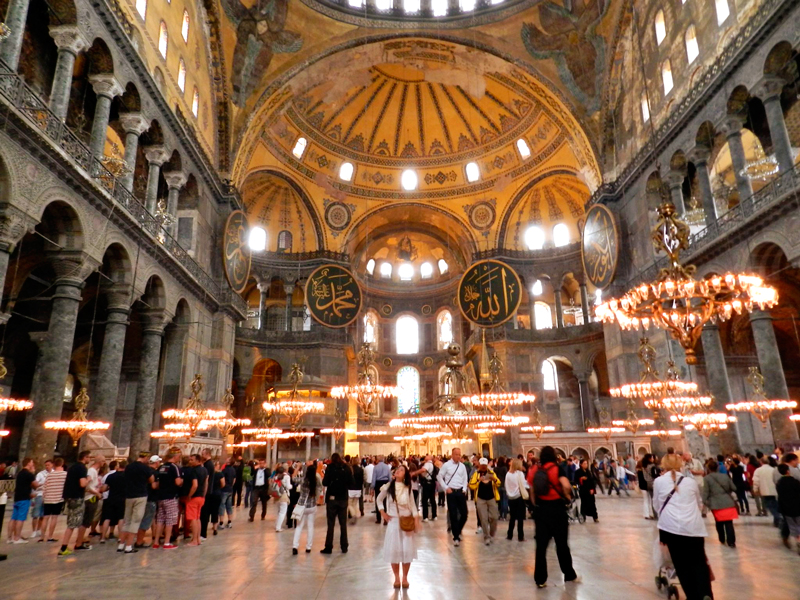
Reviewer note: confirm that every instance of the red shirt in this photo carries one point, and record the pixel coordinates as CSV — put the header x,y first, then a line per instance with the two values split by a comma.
x,y
552,474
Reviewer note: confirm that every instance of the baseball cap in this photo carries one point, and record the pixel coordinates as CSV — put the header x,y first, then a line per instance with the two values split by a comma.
x,y
483,461
155,458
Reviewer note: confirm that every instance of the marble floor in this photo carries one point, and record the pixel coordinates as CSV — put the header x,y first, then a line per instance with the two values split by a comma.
x,y
613,558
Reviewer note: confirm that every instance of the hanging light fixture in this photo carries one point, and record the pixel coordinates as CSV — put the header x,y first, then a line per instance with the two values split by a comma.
x,y
761,166
79,424
761,408
194,416
705,424
366,392
537,425
5,31
650,385
294,405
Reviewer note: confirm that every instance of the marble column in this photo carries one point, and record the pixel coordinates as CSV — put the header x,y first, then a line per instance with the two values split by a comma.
x,y
769,90
134,125
588,409
289,289
674,181
40,339
70,42
152,334
718,383
308,449
175,182
263,289
104,405
700,157
769,360
10,48
559,312
731,128
585,304
56,354
106,88
156,156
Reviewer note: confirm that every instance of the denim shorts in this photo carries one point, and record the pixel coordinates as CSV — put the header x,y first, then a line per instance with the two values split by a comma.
x,y
38,507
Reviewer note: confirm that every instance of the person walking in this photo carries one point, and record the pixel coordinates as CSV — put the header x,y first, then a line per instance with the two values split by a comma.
x,y
238,482
501,470
113,511
380,477
717,497
427,483
247,479
308,500
355,506
296,477
226,499
399,545
485,484
281,485
260,493
739,478
206,511
645,475
74,486
198,490
369,467
789,501
587,490
138,478
764,486
453,479
517,494
37,513
676,500
337,483
550,493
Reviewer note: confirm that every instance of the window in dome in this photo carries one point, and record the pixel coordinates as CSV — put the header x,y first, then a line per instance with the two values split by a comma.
x,y
443,266
408,398
406,272
185,26
473,172
534,238
496,1
692,49
466,5
355,3
425,270
407,335
560,235
439,7
285,241
346,171
182,75
257,240
723,11
299,147
386,270
536,290
411,6
550,376
645,109
383,4
544,318
371,266
163,39
409,180
141,7
371,329
661,27
195,102
523,148
666,75
444,329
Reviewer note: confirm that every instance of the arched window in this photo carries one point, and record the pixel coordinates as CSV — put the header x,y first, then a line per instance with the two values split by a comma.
x,y
182,75
346,171
426,270
383,4
411,6
536,290
408,179
299,147
560,235
285,241
439,7
371,329
443,266
666,76
371,266
473,172
386,270
645,109
408,398
661,27
692,49
195,102
276,318
523,148
141,7
444,329
163,39
723,11
185,26
407,335
550,376
544,318
355,3
466,5
534,238
405,272
257,239
158,77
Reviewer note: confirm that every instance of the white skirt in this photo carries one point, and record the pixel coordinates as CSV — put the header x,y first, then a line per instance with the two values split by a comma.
x,y
399,546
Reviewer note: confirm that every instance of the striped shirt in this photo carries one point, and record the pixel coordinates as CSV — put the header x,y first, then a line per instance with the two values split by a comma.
x,y
54,487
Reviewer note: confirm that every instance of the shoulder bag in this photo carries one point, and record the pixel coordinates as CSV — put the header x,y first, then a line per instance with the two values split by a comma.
x,y
669,497
408,523
522,483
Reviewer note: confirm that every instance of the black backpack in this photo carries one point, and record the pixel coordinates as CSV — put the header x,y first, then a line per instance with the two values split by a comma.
x,y
542,484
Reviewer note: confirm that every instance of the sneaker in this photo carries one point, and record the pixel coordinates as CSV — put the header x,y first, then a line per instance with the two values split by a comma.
x,y
456,543
230,525
131,551
479,531
84,546
488,542
202,539
169,546
577,579
36,534
21,541
66,552
424,520
155,546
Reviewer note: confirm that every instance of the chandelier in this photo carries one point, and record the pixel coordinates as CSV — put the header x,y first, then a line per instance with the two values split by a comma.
x,y
605,432
650,385
537,425
193,417
705,423
761,166
5,31
695,216
10,403
662,433
370,432
79,423
294,406
632,422
678,303
296,435
761,408
366,392
262,432
170,437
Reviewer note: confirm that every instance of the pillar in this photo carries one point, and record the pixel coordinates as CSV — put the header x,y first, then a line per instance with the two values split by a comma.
x,y
40,339
104,404
585,303
10,48
700,157
559,313
56,354
732,129
674,181
106,88
70,43
588,409
152,333
289,289
156,156
175,182
769,90
263,289
134,125
308,449
769,360
718,383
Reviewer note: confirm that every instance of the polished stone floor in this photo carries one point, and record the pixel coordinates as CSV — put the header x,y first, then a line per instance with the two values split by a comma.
x,y
613,558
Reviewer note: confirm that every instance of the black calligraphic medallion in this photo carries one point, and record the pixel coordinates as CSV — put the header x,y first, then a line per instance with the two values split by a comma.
x,y
489,293
333,296
600,246
236,255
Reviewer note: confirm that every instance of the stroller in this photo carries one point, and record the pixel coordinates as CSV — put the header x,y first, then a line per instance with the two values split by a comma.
x,y
666,576
574,508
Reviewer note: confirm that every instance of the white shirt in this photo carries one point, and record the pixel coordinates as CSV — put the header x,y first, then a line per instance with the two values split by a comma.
x,y
41,476
453,475
368,473
94,482
512,484
682,514
763,481
287,482
260,478
105,494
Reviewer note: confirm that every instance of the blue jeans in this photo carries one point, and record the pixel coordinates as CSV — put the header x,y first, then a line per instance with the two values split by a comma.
x,y
226,505
771,504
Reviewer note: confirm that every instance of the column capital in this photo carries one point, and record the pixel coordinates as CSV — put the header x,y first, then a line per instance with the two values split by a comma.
x,y
156,155
263,287
38,337
731,126
760,315
154,320
674,179
769,88
288,289
134,123
72,267
69,38
105,84
118,296
14,224
175,179
699,155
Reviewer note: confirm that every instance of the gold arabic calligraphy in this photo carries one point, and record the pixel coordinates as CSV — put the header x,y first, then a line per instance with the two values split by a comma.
x,y
336,296
489,293
600,249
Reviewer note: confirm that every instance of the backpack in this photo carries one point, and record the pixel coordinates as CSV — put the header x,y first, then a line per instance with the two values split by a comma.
x,y
542,484
435,474
642,481
275,488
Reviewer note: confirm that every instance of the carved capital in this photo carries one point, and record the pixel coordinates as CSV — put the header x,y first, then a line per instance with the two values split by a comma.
x,y
14,224
175,179
154,320
69,38
288,288
731,126
118,296
674,179
156,155
133,123
769,88
699,155
72,267
106,85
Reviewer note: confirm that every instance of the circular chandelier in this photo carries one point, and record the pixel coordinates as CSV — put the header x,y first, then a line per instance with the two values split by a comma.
x,y
370,432
193,417
538,430
79,424
663,433
650,385
294,406
262,432
14,404
761,166
605,432
705,423
677,302
632,423
366,392
761,408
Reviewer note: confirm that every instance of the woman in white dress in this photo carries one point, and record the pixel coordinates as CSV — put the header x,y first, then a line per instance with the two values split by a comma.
x,y
399,547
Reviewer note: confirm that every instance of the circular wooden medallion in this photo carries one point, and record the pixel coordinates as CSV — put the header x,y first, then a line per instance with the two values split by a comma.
x,y
236,254
333,296
600,246
489,293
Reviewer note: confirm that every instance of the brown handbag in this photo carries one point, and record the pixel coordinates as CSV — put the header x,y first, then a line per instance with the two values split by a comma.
x,y
408,524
